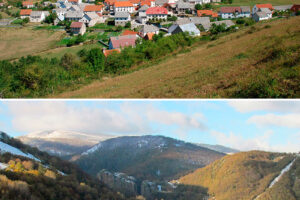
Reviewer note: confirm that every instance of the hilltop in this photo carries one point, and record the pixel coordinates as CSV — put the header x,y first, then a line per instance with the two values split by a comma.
x,y
154,158
242,175
257,61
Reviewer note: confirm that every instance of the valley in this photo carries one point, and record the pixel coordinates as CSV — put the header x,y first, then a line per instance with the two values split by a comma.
x,y
153,167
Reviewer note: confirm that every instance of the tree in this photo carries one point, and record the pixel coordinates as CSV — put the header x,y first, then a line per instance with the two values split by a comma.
x,y
198,7
25,21
96,59
128,25
50,18
0,16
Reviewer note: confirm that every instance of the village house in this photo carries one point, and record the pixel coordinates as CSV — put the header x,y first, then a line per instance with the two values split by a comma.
x,y
171,7
157,13
230,12
267,11
210,13
129,32
148,29
122,18
259,16
38,16
203,21
246,11
201,2
93,8
119,42
150,3
78,28
258,7
74,8
184,7
75,2
123,6
135,3
27,4
108,52
25,13
181,28
73,15
295,8
60,13
160,3
90,19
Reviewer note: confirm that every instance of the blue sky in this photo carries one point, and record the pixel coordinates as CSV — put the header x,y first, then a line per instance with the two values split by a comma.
x,y
245,125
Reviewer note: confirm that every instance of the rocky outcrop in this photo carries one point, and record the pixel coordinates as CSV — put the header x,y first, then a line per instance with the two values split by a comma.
x,y
119,182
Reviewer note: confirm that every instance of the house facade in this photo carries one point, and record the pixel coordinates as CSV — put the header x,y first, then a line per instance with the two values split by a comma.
x,y
181,28
27,4
73,15
156,13
122,18
148,29
78,28
123,6
257,7
38,16
25,13
259,16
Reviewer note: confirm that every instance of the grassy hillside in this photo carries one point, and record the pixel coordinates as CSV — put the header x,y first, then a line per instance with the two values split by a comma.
x,y
258,61
240,176
288,187
253,2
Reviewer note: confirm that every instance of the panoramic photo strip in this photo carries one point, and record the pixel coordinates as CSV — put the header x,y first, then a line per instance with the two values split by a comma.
x,y
150,150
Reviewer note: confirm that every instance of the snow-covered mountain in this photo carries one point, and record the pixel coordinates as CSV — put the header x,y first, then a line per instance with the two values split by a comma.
x,y
63,143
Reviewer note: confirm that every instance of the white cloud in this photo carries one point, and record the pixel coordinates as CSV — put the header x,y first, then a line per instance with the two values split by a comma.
x,y
288,120
131,119
262,105
261,142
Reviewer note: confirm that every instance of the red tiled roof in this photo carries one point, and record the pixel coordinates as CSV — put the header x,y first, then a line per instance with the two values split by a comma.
x,y
135,1
76,24
123,4
110,2
146,2
156,11
27,3
93,8
230,9
129,32
123,41
99,14
265,6
25,12
149,36
109,52
201,13
295,8
72,0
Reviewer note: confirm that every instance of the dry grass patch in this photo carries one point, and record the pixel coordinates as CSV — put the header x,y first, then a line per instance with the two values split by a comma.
x,y
22,41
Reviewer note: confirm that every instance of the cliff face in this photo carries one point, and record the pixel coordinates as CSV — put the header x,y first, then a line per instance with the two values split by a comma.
x,y
119,182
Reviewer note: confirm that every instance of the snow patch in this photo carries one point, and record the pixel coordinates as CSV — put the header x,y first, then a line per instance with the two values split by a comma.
x,y
93,149
10,149
3,165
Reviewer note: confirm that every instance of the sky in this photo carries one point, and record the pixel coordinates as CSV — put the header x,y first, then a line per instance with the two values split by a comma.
x,y
270,125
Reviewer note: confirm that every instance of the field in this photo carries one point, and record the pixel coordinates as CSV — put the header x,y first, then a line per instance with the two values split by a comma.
x,y
258,61
16,42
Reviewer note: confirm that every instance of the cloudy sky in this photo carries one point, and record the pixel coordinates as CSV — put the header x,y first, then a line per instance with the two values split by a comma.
x,y
245,125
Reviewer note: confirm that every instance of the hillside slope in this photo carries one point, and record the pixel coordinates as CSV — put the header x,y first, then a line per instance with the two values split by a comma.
x,y
153,158
27,173
243,175
258,61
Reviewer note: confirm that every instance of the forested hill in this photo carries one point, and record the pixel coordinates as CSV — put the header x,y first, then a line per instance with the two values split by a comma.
x,y
29,174
147,157
246,175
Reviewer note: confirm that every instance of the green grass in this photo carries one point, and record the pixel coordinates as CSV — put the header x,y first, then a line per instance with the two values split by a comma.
x,y
47,27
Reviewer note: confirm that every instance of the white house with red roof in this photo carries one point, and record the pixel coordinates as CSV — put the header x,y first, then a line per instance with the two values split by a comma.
x,y
123,6
258,7
78,28
27,4
157,13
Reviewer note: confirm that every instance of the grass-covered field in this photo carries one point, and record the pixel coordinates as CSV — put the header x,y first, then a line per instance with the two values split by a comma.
x,y
16,42
258,61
